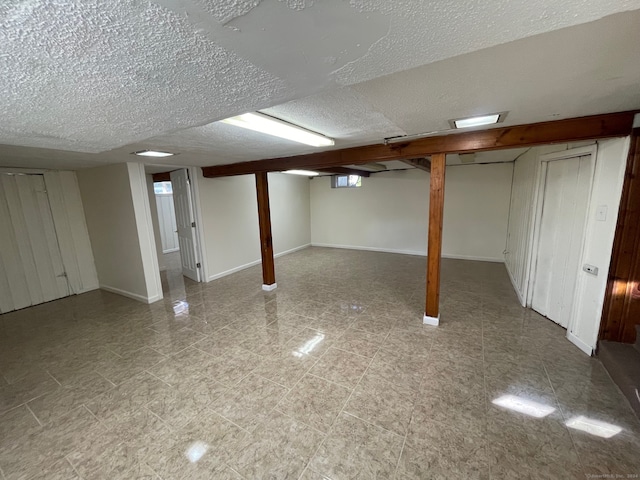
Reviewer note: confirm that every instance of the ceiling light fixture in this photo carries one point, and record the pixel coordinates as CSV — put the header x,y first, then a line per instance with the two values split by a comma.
x,y
306,173
152,153
259,122
478,121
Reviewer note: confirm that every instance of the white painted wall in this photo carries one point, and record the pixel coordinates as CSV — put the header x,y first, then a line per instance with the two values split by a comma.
x,y
117,211
607,187
390,212
229,211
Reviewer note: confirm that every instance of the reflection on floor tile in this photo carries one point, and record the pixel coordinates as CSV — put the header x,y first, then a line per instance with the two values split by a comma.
x,y
331,376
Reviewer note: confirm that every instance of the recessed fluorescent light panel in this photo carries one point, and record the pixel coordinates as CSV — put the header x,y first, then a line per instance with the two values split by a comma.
x,y
259,122
306,173
153,153
478,121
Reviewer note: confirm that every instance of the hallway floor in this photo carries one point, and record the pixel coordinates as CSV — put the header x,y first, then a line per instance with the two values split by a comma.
x,y
331,376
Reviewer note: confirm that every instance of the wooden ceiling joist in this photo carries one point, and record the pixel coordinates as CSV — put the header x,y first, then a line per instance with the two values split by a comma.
x,y
421,163
344,171
162,177
558,131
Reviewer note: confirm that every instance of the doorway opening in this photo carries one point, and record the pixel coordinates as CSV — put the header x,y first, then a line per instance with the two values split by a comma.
x,y
178,240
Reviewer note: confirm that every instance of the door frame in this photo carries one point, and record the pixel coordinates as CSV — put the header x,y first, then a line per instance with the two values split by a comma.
x,y
194,182
543,163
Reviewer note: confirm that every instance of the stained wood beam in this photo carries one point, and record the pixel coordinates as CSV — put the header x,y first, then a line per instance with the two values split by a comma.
x,y
266,242
421,163
434,247
558,131
162,177
344,171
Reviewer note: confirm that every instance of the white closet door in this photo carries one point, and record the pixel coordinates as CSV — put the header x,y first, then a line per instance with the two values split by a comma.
x,y
564,210
31,261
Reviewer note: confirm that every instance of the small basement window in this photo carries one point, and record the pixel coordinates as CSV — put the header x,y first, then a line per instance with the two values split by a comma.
x,y
346,181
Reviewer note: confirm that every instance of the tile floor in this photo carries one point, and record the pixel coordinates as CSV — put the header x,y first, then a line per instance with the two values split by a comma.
x,y
331,376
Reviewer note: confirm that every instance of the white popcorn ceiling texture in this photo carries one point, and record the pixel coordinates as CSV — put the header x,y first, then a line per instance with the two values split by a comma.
x,y
101,75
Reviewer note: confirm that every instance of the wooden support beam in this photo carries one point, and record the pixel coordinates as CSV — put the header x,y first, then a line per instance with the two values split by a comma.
x,y
266,242
559,131
344,171
162,177
434,248
421,163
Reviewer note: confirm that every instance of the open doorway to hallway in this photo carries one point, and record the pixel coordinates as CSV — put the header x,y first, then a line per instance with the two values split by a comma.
x,y
175,226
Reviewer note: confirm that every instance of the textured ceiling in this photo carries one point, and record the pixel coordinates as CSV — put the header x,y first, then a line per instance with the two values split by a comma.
x,y
115,76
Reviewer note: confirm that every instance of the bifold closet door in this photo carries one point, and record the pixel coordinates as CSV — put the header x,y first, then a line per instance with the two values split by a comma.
x,y
31,268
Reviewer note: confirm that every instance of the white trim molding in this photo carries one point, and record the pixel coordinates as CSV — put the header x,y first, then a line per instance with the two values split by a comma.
x,y
134,296
269,288
521,297
433,321
579,343
408,252
254,263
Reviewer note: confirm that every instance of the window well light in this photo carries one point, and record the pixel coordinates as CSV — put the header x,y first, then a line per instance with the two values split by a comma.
x,y
259,122
306,173
478,121
153,153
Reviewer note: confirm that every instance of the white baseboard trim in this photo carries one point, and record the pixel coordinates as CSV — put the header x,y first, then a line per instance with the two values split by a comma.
x,y
291,250
579,343
233,270
370,249
433,321
474,258
254,263
135,296
269,288
407,252
515,287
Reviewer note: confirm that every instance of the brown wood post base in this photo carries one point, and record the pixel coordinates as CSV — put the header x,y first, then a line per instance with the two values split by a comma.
x,y
434,249
266,243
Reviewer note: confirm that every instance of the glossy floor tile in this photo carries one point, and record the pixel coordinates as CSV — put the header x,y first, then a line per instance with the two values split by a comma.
x,y
331,376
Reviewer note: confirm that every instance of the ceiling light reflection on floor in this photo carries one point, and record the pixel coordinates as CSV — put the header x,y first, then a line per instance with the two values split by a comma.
x,y
594,427
309,346
524,405
196,450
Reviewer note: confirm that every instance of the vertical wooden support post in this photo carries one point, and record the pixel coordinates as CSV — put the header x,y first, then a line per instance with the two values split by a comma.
x,y
266,243
434,249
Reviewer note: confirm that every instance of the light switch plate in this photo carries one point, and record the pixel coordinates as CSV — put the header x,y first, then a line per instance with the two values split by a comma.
x,y
601,213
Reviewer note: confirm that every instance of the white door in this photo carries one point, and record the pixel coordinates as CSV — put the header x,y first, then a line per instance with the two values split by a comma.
x,y
167,222
31,268
564,210
185,223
